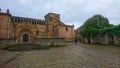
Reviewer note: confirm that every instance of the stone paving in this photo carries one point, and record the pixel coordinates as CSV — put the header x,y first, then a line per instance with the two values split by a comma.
x,y
72,56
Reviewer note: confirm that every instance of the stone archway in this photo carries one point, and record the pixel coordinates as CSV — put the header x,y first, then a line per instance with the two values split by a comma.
x,y
88,39
25,35
110,37
25,38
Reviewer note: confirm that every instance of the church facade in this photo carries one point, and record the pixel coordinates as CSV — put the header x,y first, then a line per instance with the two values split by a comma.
x,y
22,29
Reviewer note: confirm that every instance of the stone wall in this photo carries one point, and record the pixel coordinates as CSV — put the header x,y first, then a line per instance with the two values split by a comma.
x,y
7,41
65,31
6,26
17,27
117,40
41,31
53,21
49,40
99,39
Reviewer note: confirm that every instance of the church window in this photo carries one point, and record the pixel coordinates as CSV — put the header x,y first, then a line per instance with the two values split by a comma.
x,y
66,28
37,32
29,21
15,20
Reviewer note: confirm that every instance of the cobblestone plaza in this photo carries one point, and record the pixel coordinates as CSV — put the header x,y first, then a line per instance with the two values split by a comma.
x,y
72,56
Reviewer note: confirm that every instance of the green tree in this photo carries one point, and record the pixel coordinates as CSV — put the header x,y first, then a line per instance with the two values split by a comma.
x,y
97,21
94,26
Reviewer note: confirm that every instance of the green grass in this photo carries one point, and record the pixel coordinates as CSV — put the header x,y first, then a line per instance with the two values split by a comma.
x,y
2,46
25,47
29,47
57,45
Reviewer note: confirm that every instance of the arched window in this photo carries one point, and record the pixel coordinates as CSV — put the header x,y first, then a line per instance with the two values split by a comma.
x,y
110,38
15,20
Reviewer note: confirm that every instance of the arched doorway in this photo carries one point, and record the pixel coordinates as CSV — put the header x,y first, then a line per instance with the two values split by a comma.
x,y
25,38
88,39
110,38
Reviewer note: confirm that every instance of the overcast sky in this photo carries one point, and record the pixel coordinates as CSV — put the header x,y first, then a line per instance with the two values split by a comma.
x,y
71,11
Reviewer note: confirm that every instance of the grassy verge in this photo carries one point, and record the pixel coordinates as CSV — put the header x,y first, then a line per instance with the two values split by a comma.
x,y
25,47
29,47
57,45
2,46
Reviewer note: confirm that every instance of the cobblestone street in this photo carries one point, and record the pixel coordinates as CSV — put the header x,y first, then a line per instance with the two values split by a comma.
x,y
72,56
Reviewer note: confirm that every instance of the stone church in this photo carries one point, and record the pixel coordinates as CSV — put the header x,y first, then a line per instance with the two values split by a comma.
x,y
21,29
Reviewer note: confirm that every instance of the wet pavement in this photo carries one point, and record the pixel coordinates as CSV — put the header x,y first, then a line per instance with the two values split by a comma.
x,y
72,56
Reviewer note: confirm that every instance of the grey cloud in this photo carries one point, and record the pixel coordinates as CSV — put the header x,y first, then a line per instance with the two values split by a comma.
x,y
71,11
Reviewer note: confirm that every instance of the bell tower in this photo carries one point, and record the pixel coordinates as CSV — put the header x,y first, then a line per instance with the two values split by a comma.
x,y
52,19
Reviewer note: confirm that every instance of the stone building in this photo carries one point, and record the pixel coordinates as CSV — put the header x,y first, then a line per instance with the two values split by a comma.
x,y
22,29
77,33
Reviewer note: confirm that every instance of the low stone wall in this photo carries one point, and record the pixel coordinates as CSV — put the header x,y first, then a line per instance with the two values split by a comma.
x,y
7,41
49,40
101,40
